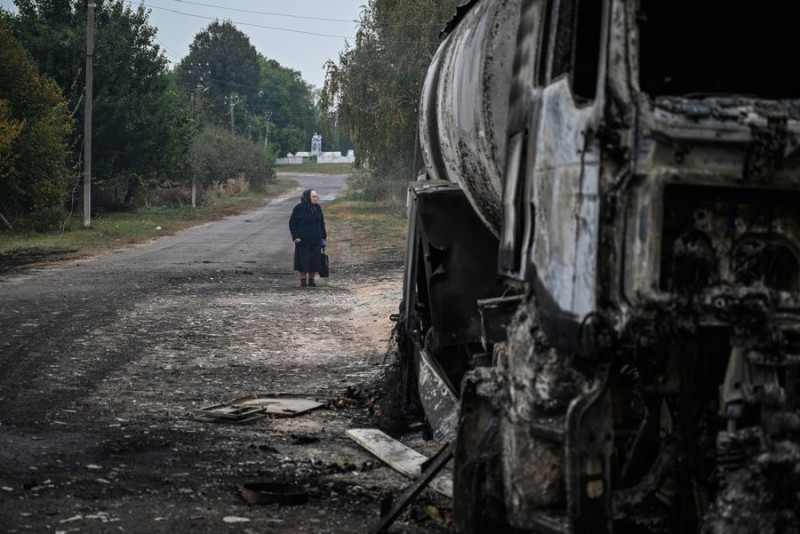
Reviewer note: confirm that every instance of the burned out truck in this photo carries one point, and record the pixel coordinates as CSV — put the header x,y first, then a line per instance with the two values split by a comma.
x,y
601,303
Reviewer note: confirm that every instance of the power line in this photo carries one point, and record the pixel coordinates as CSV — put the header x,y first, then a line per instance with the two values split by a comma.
x,y
131,2
168,50
264,12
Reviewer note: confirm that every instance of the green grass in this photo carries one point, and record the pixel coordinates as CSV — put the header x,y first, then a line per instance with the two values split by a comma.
x,y
376,223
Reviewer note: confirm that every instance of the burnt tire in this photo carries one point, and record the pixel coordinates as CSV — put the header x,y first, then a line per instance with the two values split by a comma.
x,y
478,494
401,406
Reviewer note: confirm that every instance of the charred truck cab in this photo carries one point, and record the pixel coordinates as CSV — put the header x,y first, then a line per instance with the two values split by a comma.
x,y
602,290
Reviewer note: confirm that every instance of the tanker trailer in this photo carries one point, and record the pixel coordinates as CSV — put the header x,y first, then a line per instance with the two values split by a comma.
x,y
601,303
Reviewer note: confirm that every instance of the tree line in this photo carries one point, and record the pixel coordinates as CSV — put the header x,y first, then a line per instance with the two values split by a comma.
x,y
371,93
223,112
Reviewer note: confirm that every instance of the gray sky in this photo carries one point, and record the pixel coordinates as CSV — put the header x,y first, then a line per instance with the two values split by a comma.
x,y
299,34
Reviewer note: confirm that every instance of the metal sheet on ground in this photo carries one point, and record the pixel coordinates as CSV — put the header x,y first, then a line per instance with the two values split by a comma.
x,y
248,409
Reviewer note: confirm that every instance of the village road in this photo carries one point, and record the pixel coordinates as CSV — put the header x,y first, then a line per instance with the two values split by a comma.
x,y
106,363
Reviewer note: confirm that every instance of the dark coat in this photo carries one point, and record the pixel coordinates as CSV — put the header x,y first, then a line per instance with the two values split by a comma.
x,y
308,223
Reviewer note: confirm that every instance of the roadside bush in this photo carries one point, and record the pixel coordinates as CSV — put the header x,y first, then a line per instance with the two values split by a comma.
x,y
365,184
47,219
230,188
173,197
168,197
220,156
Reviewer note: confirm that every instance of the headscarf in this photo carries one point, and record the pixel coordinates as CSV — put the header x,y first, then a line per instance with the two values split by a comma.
x,y
306,198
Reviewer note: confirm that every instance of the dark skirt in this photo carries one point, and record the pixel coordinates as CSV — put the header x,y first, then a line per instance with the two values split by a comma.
x,y
307,258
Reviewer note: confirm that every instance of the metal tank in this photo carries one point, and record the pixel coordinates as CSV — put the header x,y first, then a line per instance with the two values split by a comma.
x,y
464,106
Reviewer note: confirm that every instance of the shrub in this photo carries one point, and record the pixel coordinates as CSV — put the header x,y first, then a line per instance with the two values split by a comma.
x,y
168,197
365,184
230,188
45,220
220,157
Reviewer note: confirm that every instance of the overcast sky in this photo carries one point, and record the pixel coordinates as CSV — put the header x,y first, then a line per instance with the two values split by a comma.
x,y
299,34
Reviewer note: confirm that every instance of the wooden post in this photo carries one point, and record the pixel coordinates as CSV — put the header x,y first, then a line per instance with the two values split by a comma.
x,y
87,118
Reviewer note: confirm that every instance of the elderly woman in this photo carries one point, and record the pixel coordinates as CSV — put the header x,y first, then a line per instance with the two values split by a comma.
x,y
307,225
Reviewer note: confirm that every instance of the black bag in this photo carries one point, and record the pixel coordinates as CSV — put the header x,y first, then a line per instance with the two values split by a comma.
x,y
323,269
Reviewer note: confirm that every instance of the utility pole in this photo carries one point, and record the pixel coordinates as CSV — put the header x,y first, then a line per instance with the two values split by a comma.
x,y
87,118
198,92
268,115
233,124
200,70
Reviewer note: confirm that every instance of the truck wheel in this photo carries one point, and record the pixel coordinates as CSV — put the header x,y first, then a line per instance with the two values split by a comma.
x,y
478,495
402,407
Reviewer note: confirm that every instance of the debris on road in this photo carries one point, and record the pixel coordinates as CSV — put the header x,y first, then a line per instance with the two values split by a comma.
x,y
273,493
400,457
430,469
248,409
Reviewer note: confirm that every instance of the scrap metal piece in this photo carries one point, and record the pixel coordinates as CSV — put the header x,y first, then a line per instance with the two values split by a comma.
x,y
228,413
438,398
248,409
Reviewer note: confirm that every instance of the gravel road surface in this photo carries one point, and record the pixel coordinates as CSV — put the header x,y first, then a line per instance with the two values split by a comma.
x,y
104,364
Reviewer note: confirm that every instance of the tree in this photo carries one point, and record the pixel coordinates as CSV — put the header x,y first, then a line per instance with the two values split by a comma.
x,y
371,94
34,126
224,64
141,132
289,101
235,87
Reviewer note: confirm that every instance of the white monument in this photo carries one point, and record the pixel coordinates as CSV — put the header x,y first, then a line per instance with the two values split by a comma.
x,y
316,144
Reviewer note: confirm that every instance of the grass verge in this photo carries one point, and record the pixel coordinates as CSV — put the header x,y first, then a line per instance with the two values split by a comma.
x,y
364,230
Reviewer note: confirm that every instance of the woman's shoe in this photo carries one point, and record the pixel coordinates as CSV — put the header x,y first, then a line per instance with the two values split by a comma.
x,y
303,282
311,283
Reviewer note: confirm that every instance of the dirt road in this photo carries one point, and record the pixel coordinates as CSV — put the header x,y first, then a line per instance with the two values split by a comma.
x,y
104,364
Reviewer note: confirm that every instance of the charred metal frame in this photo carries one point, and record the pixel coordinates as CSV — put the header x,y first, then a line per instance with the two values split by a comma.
x,y
656,241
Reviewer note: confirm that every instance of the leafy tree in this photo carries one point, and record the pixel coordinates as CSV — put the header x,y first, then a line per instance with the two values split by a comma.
x,y
9,131
34,125
141,132
223,65
290,139
289,101
236,88
371,94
